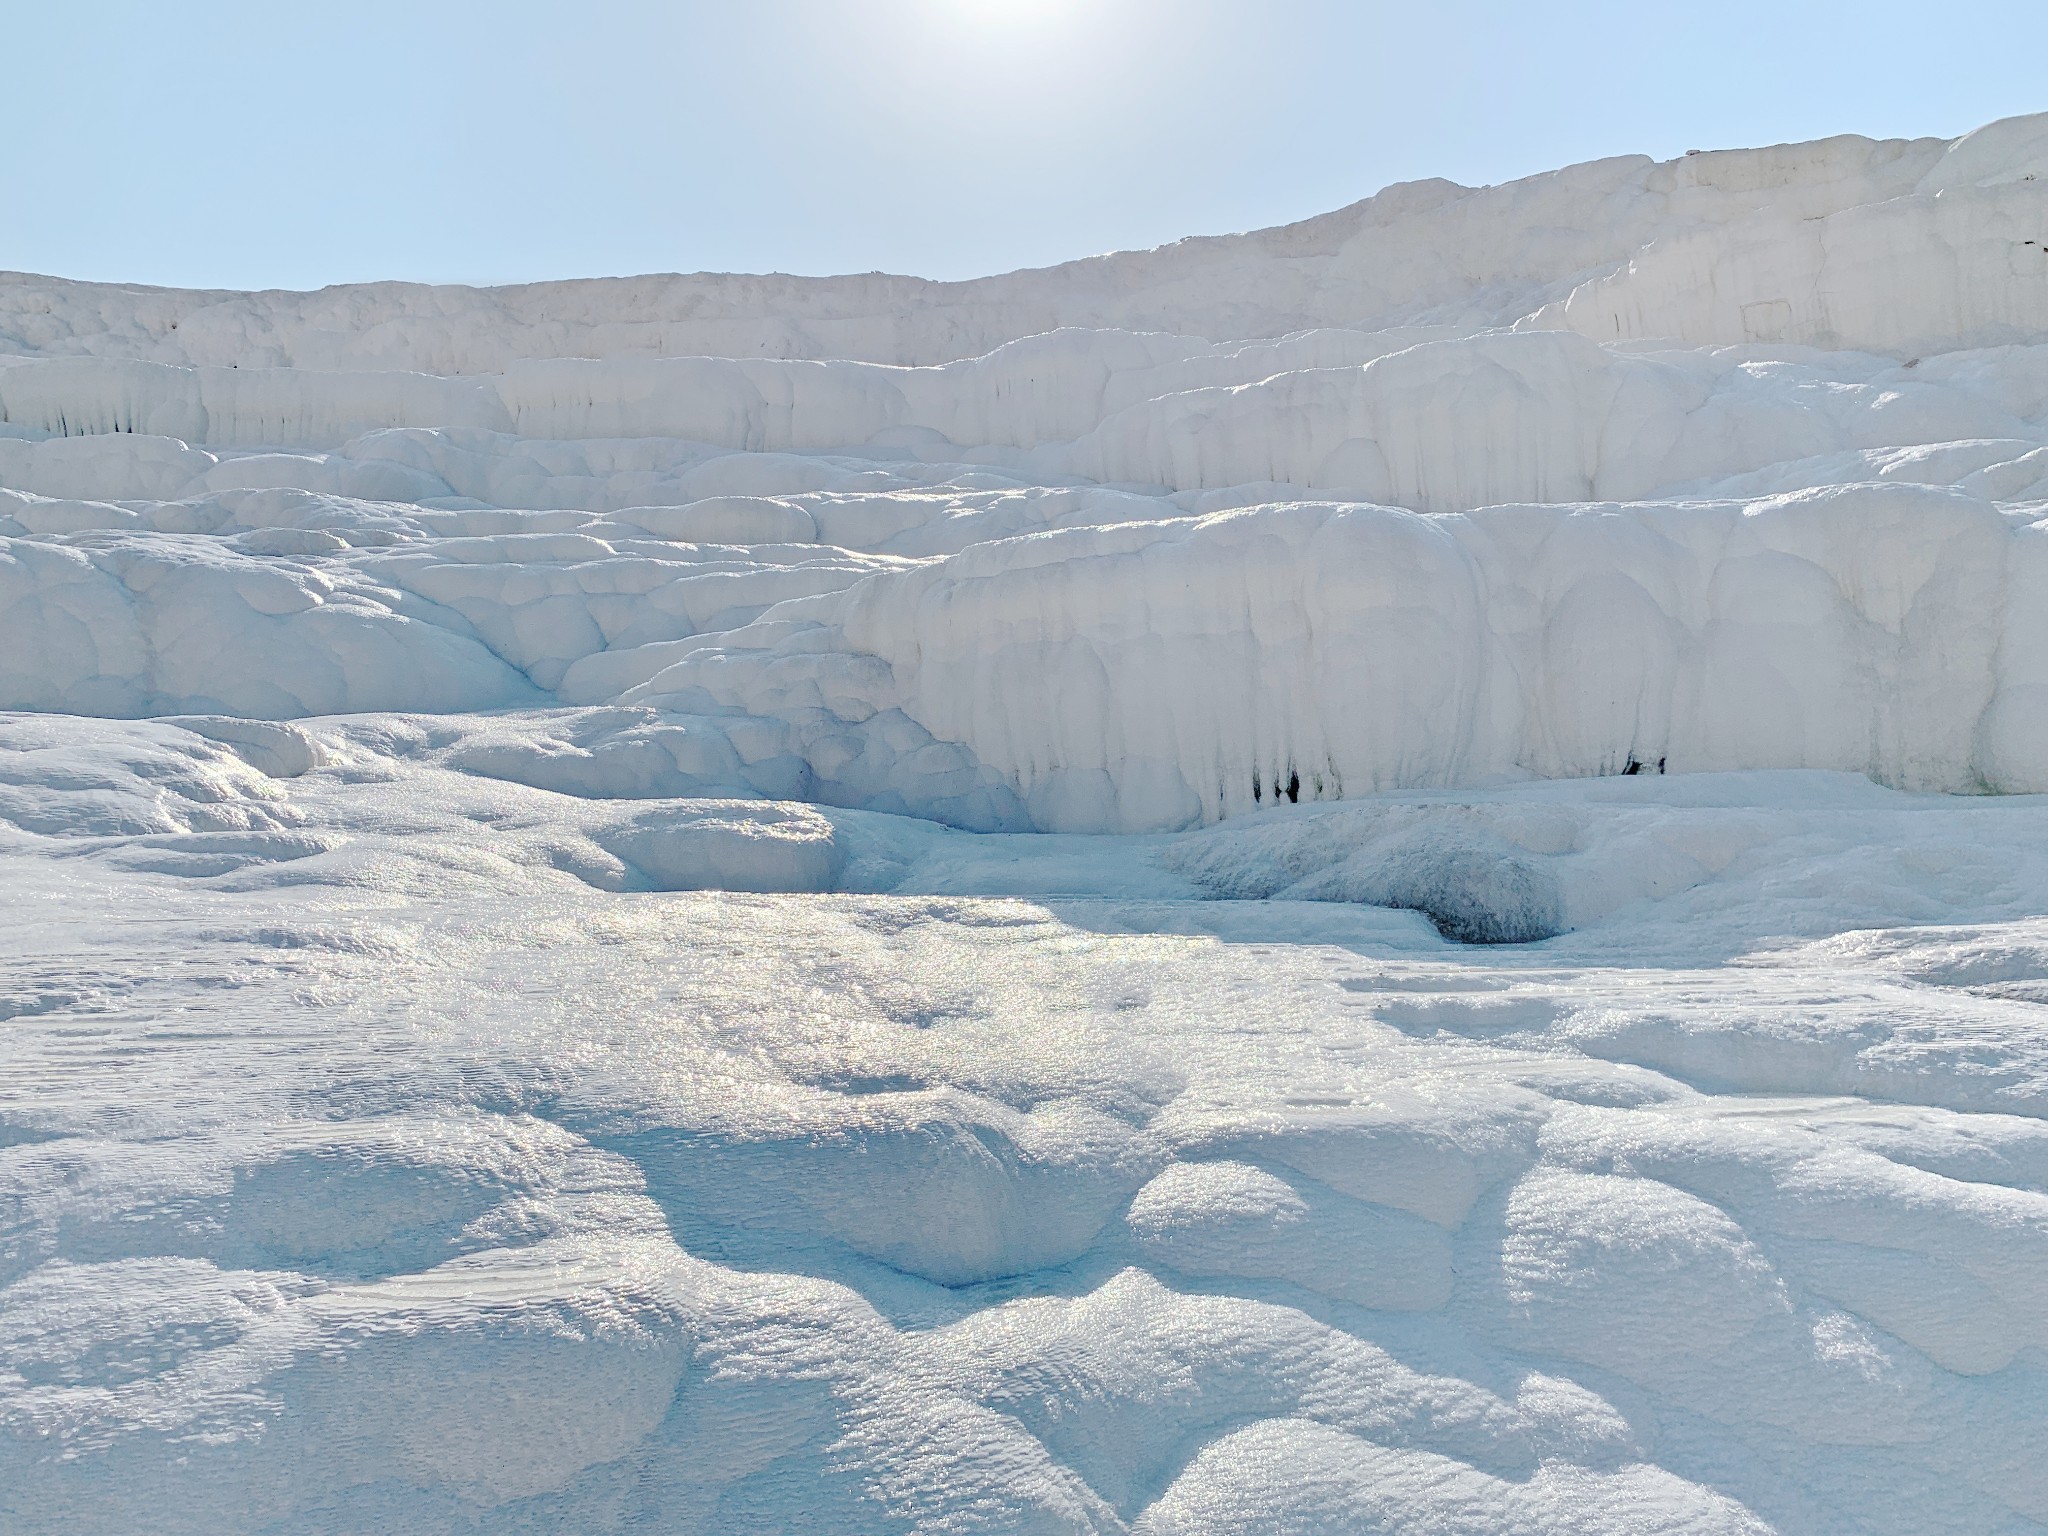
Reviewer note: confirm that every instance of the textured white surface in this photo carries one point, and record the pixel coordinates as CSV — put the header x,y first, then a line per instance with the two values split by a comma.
x,y
1802,540
1330,880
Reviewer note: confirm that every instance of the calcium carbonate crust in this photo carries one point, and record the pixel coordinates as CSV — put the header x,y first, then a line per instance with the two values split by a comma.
x,y
1331,880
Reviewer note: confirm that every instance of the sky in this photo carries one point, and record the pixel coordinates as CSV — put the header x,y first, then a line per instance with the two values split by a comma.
x,y
243,144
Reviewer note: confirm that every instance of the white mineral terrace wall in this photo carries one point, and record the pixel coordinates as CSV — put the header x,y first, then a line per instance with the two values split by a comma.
x,y
1739,461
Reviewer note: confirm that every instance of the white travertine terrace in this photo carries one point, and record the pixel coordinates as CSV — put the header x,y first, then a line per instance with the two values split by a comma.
x,y
1382,875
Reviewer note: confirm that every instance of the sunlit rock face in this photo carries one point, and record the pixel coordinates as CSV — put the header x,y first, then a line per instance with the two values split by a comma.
x,y
1379,875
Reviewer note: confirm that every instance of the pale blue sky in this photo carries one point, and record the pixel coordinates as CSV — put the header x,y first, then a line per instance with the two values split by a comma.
x,y
244,144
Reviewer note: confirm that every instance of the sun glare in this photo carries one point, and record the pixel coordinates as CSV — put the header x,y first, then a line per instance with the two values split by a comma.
x,y
1014,13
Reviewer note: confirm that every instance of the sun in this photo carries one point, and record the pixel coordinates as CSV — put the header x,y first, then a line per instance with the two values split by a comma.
x,y
1014,13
